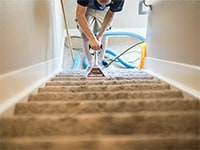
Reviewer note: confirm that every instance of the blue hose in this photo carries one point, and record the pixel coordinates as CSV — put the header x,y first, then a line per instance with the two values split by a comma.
x,y
85,62
124,33
128,66
111,52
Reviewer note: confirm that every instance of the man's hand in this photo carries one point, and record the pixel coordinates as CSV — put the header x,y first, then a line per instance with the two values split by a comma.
x,y
95,44
98,37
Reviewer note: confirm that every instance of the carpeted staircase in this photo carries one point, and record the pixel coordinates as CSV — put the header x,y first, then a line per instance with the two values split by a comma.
x,y
130,110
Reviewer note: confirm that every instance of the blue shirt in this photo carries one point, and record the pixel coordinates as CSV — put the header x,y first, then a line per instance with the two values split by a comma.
x,y
114,5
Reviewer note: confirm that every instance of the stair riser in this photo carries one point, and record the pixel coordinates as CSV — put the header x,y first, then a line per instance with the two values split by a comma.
x,y
101,144
106,106
101,82
104,95
101,124
125,87
123,78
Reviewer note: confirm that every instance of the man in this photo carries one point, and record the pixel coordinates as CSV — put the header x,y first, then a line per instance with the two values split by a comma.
x,y
94,17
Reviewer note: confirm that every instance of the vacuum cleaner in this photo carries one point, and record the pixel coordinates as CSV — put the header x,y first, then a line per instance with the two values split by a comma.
x,y
95,71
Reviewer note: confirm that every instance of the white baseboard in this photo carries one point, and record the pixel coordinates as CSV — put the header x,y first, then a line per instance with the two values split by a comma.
x,y
183,76
18,84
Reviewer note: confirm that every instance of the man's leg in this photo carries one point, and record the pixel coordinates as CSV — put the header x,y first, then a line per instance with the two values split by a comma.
x,y
104,42
85,43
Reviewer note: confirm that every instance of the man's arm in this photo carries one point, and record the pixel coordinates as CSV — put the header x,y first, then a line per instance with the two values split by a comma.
x,y
80,15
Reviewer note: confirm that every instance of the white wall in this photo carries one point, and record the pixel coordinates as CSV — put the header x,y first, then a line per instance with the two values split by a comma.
x,y
174,27
199,36
173,39
128,18
31,46
27,33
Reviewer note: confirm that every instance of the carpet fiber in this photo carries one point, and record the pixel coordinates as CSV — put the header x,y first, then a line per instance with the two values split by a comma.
x,y
129,110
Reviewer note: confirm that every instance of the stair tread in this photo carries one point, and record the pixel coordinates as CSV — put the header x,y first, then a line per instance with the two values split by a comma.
x,y
119,91
91,106
136,137
162,123
99,82
114,114
115,78
136,100
110,74
95,95
141,142
105,87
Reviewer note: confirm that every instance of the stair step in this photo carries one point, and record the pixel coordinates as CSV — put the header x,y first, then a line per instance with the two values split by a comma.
x,y
105,95
101,82
103,124
99,106
115,78
125,87
136,142
115,74
129,110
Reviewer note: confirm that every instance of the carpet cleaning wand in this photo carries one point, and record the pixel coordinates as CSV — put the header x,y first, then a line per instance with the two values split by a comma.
x,y
95,71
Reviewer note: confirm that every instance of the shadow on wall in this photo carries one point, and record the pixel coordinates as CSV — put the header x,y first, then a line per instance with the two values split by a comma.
x,y
42,13
42,20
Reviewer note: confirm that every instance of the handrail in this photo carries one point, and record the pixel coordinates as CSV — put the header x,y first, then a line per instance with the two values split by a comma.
x,y
147,5
143,3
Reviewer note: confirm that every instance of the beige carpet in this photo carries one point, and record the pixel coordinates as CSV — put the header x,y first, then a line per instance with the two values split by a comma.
x,y
130,110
